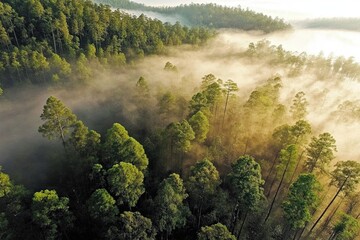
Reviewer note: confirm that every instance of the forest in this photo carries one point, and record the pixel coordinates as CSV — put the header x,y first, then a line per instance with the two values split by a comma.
x,y
143,132
51,41
211,16
351,24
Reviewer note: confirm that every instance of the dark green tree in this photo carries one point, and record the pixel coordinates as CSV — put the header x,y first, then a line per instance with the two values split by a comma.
x,y
126,182
51,214
136,227
170,209
200,125
298,108
202,185
5,183
229,87
320,152
58,119
215,232
246,183
101,207
301,201
346,228
116,137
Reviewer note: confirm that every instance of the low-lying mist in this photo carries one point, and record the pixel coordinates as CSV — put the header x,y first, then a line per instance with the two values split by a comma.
x,y
111,97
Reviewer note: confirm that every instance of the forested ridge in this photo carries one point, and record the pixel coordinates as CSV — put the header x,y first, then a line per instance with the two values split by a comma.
x,y
170,155
45,41
351,24
211,15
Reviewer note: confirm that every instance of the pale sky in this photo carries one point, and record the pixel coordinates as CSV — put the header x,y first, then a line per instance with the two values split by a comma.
x,y
288,9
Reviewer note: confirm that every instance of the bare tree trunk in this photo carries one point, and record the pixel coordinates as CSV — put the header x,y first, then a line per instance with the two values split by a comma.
x,y
242,225
226,103
272,167
278,189
297,166
328,206
272,184
53,37
235,217
246,144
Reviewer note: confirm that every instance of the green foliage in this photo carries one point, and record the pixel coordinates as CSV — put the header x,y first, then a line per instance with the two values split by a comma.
x,y
170,210
211,15
200,125
170,67
119,146
301,200
142,88
51,213
263,101
136,227
58,119
320,152
346,228
5,184
215,232
133,152
346,176
203,180
166,104
287,161
246,182
180,135
101,206
197,103
298,108
43,41
126,183
3,225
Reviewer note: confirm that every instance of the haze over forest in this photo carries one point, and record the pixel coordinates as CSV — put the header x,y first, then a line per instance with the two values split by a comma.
x,y
114,126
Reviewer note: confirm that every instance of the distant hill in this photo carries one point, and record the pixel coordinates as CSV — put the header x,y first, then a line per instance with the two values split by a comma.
x,y
351,24
211,15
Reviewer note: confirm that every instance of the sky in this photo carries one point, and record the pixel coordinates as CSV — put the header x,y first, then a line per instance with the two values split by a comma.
x,y
289,10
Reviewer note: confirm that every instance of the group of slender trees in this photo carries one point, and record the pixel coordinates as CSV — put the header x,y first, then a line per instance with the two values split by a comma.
x,y
184,182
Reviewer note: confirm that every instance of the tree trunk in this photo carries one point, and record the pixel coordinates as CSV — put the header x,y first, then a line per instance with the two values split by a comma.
x,y
328,206
272,167
246,144
235,217
296,232
316,159
226,103
303,230
332,214
272,184
199,216
297,166
15,36
53,37
242,225
278,189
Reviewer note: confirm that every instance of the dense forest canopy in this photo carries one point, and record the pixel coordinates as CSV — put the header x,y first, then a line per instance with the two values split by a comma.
x,y
135,140
53,41
211,15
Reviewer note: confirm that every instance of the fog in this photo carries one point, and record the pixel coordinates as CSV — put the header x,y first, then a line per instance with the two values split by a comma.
x,y
289,10
110,97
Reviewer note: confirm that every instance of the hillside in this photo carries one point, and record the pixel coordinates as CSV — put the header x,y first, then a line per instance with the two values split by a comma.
x,y
211,15
43,42
351,24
